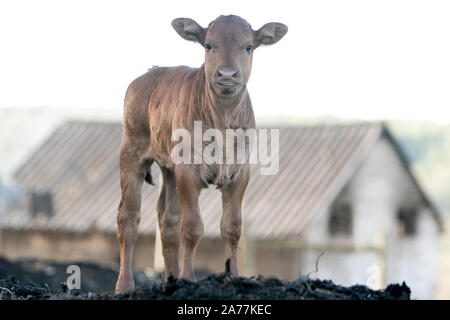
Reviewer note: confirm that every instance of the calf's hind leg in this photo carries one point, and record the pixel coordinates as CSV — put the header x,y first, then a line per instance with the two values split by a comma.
x,y
131,178
169,223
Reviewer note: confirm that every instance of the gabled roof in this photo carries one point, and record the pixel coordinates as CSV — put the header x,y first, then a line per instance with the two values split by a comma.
x,y
78,163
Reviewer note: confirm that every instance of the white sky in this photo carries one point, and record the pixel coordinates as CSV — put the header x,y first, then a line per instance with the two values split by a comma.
x,y
357,59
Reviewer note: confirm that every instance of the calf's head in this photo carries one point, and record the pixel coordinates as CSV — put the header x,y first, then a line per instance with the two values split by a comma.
x,y
229,42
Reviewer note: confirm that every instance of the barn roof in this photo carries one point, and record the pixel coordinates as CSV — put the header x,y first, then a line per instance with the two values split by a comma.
x,y
78,163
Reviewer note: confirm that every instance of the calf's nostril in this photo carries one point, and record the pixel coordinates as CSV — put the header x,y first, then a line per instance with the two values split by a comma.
x,y
227,73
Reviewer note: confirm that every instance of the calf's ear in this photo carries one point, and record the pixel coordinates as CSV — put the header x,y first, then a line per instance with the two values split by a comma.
x,y
270,33
189,29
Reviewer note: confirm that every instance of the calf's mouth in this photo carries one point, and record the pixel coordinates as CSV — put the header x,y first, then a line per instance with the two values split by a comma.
x,y
227,87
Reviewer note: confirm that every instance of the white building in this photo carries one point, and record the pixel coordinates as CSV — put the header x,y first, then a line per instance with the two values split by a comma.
x,y
380,229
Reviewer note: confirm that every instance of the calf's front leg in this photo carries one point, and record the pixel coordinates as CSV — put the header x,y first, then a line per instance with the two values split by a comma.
x,y
231,222
191,222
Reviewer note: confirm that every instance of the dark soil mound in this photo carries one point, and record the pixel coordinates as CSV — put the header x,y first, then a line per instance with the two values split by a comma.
x,y
94,278
43,280
224,287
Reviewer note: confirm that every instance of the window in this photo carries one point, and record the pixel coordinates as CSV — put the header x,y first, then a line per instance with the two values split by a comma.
x,y
407,221
41,202
341,220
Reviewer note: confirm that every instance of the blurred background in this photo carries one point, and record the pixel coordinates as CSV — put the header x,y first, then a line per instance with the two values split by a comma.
x,y
360,90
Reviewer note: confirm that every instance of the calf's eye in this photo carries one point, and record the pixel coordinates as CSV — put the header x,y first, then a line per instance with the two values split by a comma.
x,y
207,47
249,49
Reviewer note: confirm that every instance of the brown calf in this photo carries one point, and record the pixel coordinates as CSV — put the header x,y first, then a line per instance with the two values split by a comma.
x,y
165,99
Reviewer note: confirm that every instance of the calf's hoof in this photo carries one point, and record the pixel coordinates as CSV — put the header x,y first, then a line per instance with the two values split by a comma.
x,y
124,284
187,276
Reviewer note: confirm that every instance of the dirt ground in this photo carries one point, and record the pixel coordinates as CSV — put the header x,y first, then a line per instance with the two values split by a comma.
x,y
32,279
